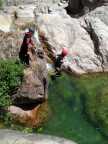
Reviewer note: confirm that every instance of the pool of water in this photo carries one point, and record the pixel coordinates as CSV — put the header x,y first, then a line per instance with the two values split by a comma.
x,y
68,118
71,117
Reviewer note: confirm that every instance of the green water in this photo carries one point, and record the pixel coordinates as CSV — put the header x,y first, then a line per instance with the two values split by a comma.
x,y
79,109
68,119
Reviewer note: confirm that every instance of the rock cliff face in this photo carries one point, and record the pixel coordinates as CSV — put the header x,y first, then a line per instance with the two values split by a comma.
x,y
67,32
85,37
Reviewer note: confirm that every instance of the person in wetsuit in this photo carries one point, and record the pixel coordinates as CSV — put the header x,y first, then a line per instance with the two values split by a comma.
x,y
26,44
58,63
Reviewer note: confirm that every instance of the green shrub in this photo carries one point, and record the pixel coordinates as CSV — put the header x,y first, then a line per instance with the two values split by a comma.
x,y
11,73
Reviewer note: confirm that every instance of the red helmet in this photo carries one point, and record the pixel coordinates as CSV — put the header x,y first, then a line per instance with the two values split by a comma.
x,y
64,52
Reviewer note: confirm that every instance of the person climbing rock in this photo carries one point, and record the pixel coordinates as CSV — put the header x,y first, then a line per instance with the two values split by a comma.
x,y
58,63
27,44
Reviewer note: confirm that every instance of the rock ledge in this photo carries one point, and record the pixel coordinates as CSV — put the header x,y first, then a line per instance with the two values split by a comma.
x,y
13,137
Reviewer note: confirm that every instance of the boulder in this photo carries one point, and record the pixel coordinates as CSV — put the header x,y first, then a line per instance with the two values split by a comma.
x,y
99,34
65,32
9,137
96,24
31,118
33,90
34,87
68,32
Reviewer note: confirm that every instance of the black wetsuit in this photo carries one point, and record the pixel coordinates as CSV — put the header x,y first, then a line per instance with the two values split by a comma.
x,y
57,64
24,57
23,51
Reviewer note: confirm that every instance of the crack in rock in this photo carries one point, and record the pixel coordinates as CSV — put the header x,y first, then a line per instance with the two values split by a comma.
x,y
95,41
